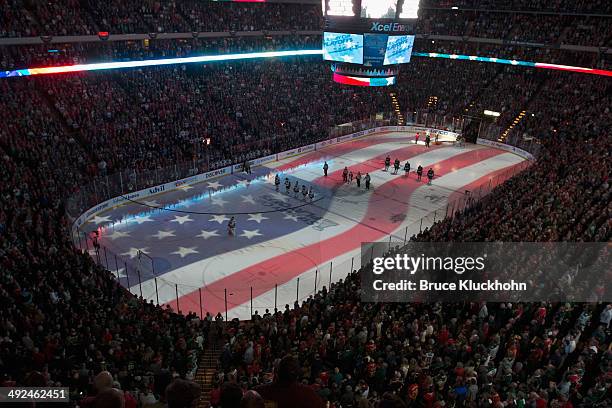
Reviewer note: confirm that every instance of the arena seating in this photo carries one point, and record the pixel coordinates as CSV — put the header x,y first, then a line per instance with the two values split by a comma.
x,y
86,17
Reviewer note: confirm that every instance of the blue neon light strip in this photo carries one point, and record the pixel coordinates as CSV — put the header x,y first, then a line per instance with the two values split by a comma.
x,y
474,58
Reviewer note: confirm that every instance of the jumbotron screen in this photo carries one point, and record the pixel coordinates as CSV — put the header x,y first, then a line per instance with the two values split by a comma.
x,y
371,50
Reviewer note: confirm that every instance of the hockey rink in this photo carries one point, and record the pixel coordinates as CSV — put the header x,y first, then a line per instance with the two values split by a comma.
x,y
287,247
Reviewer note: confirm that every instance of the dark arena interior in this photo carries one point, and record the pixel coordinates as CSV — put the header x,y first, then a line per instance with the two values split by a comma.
x,y
305,204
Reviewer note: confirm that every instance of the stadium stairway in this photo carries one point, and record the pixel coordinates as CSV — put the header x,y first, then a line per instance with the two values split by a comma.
x,y
207,369
397,109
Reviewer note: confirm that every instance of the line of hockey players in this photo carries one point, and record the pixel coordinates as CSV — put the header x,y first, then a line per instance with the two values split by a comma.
x,y
307,193
419,170
348,176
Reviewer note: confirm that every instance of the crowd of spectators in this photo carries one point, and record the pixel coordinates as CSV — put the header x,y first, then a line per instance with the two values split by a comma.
x,y
63,319
566,6
159,116
472,354
88,17
547,29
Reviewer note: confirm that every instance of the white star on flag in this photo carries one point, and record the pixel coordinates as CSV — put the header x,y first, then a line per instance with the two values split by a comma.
x,y
164,234
181,219
118,234
473,57
100,220
133,252
219,218
183,252
389,81
280,197
454,56
207,234
291,216
258,218
514,62
218,201
214,185
141,220
250,234
248,199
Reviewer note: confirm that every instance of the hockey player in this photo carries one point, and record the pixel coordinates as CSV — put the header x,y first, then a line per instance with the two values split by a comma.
x,y
419,172
430,175
304,191
296,188
416,138
231,227
396,166
345,175
350,177
387,163
427,140
287,185
407,168
311,194
325,168
367,181
277,182
358,178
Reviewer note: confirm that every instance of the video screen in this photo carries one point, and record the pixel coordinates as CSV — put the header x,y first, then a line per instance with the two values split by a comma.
x,y
374,49
399,49
378,8
343,47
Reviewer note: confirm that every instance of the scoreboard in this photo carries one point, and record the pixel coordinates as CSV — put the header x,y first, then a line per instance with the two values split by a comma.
x,y
369,38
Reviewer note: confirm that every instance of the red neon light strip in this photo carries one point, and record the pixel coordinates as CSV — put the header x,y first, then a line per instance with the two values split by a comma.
x,y
570,68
